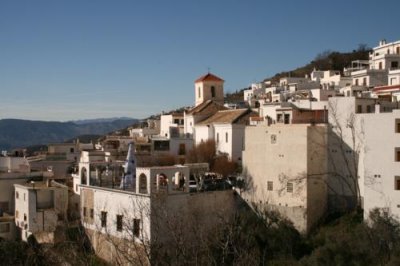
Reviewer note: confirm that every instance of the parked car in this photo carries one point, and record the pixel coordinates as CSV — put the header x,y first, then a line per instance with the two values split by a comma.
x,y
192,186
207,185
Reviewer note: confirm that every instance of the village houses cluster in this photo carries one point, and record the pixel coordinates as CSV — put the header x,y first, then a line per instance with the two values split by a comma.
x,y
305,146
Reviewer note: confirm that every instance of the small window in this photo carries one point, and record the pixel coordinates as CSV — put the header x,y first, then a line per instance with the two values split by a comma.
x,y
397,183
359,108
84,211
91,213
16,195
199,92
71,150
364,81
289,187
217,137
25,218
24,197
270,185
76,187
279,117
380,65
356,82
136,227
103,219
182,149
17,214
397,125
212,91
226,137
397,154
368,108
273,139
119,222
286,119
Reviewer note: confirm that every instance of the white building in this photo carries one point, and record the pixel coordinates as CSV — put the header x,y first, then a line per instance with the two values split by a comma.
x,y
172,125
285,168
39,208
226,128
127,225
13,170
381,161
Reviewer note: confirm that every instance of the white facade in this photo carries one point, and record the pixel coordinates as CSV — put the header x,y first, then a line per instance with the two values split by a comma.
x,y
285,170
172,125
381,162
40,208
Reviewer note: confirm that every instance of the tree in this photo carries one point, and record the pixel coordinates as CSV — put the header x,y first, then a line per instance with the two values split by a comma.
x,y
204,152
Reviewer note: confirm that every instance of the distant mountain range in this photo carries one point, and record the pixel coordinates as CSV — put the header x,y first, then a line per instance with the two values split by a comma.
x,y
16,133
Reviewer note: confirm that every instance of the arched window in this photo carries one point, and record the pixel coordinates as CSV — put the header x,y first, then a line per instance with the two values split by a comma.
x,y
212,91
83,176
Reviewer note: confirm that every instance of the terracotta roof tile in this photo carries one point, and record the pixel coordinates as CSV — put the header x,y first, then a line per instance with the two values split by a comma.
x,y
208,77
236,116
207,106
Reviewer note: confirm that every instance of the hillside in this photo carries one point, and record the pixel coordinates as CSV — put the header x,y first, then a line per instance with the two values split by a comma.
x,y
22,133
327,60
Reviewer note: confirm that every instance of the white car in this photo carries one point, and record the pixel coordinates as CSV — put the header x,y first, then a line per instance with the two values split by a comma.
x,y
192,186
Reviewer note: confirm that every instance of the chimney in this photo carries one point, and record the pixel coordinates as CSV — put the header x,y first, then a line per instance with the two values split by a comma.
x,y
382,42
377,108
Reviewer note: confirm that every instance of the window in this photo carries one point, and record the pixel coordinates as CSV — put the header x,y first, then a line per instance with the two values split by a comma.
x,y
161,145
91,213
364,82
273,139
356,82
182,149
359,108
397,183
212,91
217,137
199,92
289,187
71,150
16,195
226,137
103,219
270,185
279,117
397,154
397,50
76,187
84,211
24,197
368,108
17,214
287,118
397,126
136,227
25,218
380,65
119,223
394,64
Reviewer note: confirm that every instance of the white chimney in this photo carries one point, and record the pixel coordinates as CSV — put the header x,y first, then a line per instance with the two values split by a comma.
x,y
377,108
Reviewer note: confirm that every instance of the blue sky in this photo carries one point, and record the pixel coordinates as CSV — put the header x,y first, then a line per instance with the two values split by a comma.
x,y
66,60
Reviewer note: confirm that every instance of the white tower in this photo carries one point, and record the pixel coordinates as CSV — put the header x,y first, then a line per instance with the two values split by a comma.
x,y
209,87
